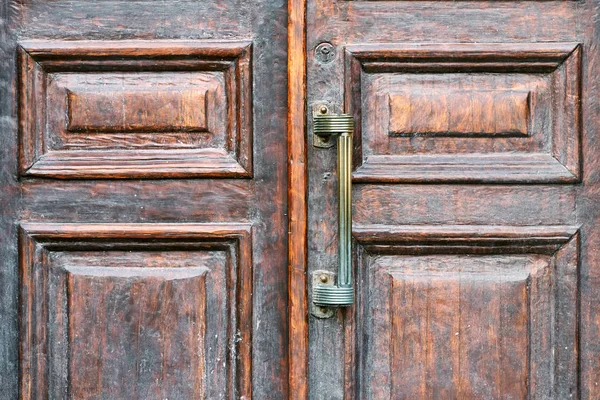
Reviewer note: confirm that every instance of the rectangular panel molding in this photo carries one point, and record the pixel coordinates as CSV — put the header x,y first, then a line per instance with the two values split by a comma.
x,y
464,311
441,113
135,109
135,311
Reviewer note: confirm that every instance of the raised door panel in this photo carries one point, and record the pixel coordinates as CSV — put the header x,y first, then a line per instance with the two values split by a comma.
x,y
135,109
465,112
136,311
465,312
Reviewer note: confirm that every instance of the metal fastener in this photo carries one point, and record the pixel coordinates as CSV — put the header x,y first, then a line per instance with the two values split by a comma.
x,y
325,53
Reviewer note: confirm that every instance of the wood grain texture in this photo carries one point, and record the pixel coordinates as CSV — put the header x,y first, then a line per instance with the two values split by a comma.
x,y
413,0
10,206
465,312
569,198
454,113
297,202
138,201
587,208
168,87
148,309
137,111
419,295
464,204
552,73
190,284
137,45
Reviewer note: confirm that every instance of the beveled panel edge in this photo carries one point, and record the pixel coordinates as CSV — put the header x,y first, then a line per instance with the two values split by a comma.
x,y
44,50
464,168
560,242
499,239
467,57
150,164
561,165
37,237
38,57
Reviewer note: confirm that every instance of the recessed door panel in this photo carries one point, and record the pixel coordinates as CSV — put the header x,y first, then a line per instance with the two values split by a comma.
x,y
465,112
465,312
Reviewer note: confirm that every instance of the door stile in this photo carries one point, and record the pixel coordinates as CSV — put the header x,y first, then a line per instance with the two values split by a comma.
x,y
297,202
588,330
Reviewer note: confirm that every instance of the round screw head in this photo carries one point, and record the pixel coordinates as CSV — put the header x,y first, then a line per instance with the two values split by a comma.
x,y
325,53
323,278
323,110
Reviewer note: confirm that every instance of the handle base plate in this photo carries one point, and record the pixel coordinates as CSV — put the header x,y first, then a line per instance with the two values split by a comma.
x,y
323,108
322,278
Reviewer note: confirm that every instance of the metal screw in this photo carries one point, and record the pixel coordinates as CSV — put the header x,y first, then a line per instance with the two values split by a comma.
x,y
325,53
323,278
323,110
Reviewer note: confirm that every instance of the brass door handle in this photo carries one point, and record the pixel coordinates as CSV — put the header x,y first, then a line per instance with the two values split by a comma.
x,y
342,293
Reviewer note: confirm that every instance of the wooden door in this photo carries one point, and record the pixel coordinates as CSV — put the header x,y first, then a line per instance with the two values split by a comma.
x,y
476,199
143,189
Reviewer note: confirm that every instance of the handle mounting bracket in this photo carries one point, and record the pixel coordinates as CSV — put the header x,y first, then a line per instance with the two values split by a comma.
x,y
318,109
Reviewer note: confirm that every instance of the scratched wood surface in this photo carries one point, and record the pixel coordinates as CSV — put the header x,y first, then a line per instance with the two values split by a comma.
x,y
475,199
143,190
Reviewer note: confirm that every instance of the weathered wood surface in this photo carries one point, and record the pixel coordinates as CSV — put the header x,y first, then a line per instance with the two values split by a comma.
x,y
143,161
475,199
463,218
136,310
135,109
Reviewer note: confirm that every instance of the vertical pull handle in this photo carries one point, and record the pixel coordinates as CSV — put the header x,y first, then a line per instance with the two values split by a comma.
x,y
342,293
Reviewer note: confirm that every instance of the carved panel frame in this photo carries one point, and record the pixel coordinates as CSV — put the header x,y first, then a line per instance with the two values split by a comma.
x,y
561,60
39,58
560,243
38,239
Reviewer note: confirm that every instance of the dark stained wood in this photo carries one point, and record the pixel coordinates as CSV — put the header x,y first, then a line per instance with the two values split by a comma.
x,y
455,204
550,153
509,282
587,208
136,310
143,158
69,92
138,154
9,206
475,199
137,111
